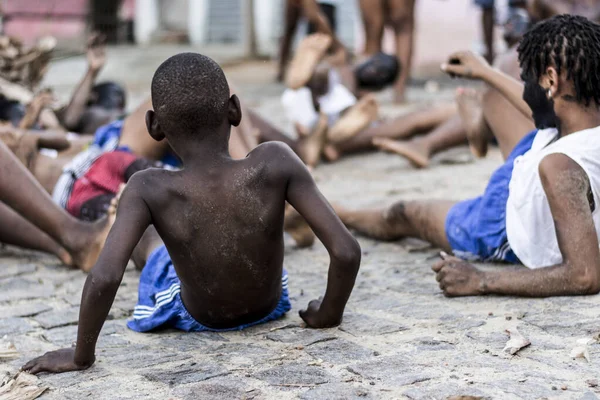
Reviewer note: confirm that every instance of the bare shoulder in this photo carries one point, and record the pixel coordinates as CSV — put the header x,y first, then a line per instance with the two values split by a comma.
x,y
563,176
149,183
277,157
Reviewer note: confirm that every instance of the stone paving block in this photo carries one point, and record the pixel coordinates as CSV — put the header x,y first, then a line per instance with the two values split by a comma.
x,y
58,318
444,391
589,396
339,351
294,375
24,310
139,356
361,324
301,336
12,270
32,290
393,370
336,391
188,372
14,326
215,389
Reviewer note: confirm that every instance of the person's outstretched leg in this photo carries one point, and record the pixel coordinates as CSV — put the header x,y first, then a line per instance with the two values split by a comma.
x,y
398,128
21,192
17,231
403,20
292,14
424,220
373,19
420,149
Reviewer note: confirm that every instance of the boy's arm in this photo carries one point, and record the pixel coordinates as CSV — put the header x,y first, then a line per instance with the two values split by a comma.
x,y
302,193
567,187
467,64
101,285
96,56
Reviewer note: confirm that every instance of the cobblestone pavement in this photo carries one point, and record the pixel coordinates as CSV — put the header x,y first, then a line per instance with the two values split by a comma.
x,y
400,337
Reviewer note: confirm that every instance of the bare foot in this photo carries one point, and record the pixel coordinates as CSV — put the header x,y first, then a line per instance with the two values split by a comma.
x,y
331,153
354,120
471,114
414,150
298,228
86,256
64,256
309,53
310,144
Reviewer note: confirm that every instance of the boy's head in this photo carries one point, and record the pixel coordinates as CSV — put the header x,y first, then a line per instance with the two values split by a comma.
x,y
377,72
560,65
108,95
190,95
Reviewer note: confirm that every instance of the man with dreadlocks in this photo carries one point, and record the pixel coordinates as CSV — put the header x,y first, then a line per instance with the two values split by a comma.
x,y
542,207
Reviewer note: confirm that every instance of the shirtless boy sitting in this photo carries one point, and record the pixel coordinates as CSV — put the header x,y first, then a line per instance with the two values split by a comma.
x,y
542,207
221,221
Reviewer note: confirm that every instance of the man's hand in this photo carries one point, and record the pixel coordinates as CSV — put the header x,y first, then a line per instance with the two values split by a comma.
x,y
466,64
62,360
315,318
457,277
96,52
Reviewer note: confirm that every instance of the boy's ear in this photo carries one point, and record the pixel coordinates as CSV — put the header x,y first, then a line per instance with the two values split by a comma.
x,y
234,110
153,127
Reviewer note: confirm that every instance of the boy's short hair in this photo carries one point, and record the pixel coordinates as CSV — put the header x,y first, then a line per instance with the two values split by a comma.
x,y
109,95
189,91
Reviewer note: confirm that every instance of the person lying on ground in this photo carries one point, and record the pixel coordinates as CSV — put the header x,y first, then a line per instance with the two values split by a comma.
x,y
541,207
93,105
450,125
30,219
321,19
221,222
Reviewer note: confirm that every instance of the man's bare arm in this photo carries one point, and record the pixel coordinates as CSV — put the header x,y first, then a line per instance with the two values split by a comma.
x,y
567,187
101,285
96,56
344,251
467,64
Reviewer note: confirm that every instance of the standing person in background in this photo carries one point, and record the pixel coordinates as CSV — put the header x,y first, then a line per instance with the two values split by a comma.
x,y
399,15
488,17
321,16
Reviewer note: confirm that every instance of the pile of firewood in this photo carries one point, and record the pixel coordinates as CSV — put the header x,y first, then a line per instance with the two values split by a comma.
x,y
22,69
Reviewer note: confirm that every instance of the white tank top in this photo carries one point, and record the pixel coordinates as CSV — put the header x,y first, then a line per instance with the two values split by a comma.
x,y
529,224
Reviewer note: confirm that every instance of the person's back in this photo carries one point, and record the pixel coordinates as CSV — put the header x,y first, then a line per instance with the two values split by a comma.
x,y
221,221
223,228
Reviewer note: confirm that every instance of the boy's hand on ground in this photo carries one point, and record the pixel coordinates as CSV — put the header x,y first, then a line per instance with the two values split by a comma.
x,y
62,360
315,318
457,277
466,64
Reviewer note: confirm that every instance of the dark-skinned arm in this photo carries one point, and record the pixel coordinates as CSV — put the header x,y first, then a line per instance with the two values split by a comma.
x,y
133,217
466,64
96,57
567,187
302,193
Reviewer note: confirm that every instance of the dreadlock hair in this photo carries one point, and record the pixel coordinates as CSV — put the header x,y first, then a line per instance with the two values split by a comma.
x,y
565,42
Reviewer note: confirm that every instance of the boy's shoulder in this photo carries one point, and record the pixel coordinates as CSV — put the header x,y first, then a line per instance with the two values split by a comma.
x,y
150,181
276,156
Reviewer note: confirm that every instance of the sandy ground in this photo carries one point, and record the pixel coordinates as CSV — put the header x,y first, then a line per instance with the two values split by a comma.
x,y
400,337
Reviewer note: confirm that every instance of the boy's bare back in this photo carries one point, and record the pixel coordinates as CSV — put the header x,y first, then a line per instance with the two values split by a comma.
x,y
221,219
223,227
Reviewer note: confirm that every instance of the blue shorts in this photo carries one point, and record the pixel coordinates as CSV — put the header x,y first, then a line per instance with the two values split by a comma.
x,y
476,229
112,132
485,4
160,306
